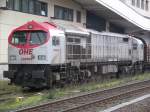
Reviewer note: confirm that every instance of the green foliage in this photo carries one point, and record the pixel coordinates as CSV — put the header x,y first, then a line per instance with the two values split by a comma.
x,y
51,94
70,90
11,105
4,87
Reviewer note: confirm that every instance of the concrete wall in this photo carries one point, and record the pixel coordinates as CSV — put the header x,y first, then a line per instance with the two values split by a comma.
x,y
3,68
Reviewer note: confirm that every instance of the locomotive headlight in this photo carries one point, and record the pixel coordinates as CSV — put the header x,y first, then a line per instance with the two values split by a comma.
x,y
41,57
12,57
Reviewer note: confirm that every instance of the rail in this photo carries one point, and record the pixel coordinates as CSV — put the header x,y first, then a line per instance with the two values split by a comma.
x,y
85,101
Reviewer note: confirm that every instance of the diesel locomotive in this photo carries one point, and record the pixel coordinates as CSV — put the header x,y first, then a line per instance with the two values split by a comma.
x,y
40,54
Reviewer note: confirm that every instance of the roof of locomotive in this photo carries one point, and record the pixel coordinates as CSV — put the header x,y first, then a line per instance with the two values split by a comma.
x,y
107,33
46,26
138,40
33,25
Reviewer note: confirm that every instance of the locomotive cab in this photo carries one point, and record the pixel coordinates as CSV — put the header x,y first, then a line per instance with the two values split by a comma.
x,y
32,48
23,46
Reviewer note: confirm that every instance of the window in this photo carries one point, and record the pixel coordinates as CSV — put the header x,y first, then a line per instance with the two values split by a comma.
x,y
17,5
70,40
138,3
10,4
28,6
133,2
43,9
125,39
63,13
74,40
147,5
78,16
31,6
19,38
130,51
55,41
25,5
142,46
142,4
38,37
135,46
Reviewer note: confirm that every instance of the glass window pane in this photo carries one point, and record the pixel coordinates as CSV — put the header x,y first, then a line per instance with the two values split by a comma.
x,y
43,9
17,5
133,2
25,5
37,8
28,6
58,12
70,15
31,6
138,3
38,37
147,5
142,4
55,41
10,4
19,38
63,13
78,16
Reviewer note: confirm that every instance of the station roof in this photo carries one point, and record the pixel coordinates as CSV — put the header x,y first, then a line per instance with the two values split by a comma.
x,y
118,13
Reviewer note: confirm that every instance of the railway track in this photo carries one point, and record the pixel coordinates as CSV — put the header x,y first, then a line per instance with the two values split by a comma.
x,y
2,96
8,96
93,100
5,93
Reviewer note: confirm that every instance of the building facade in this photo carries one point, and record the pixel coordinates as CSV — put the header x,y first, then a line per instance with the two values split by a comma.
x,y
140,6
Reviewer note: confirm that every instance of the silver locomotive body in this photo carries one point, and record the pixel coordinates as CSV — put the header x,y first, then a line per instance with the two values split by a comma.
x,y
40,54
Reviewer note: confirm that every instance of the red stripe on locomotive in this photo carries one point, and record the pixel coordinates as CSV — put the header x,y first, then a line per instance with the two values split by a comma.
x,y
32,26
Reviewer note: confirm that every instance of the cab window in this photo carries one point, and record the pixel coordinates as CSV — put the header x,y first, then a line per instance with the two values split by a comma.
x,y
135,46
55,41
19,38
37,37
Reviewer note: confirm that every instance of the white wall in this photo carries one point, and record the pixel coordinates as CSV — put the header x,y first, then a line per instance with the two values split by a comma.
x,y
3,68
